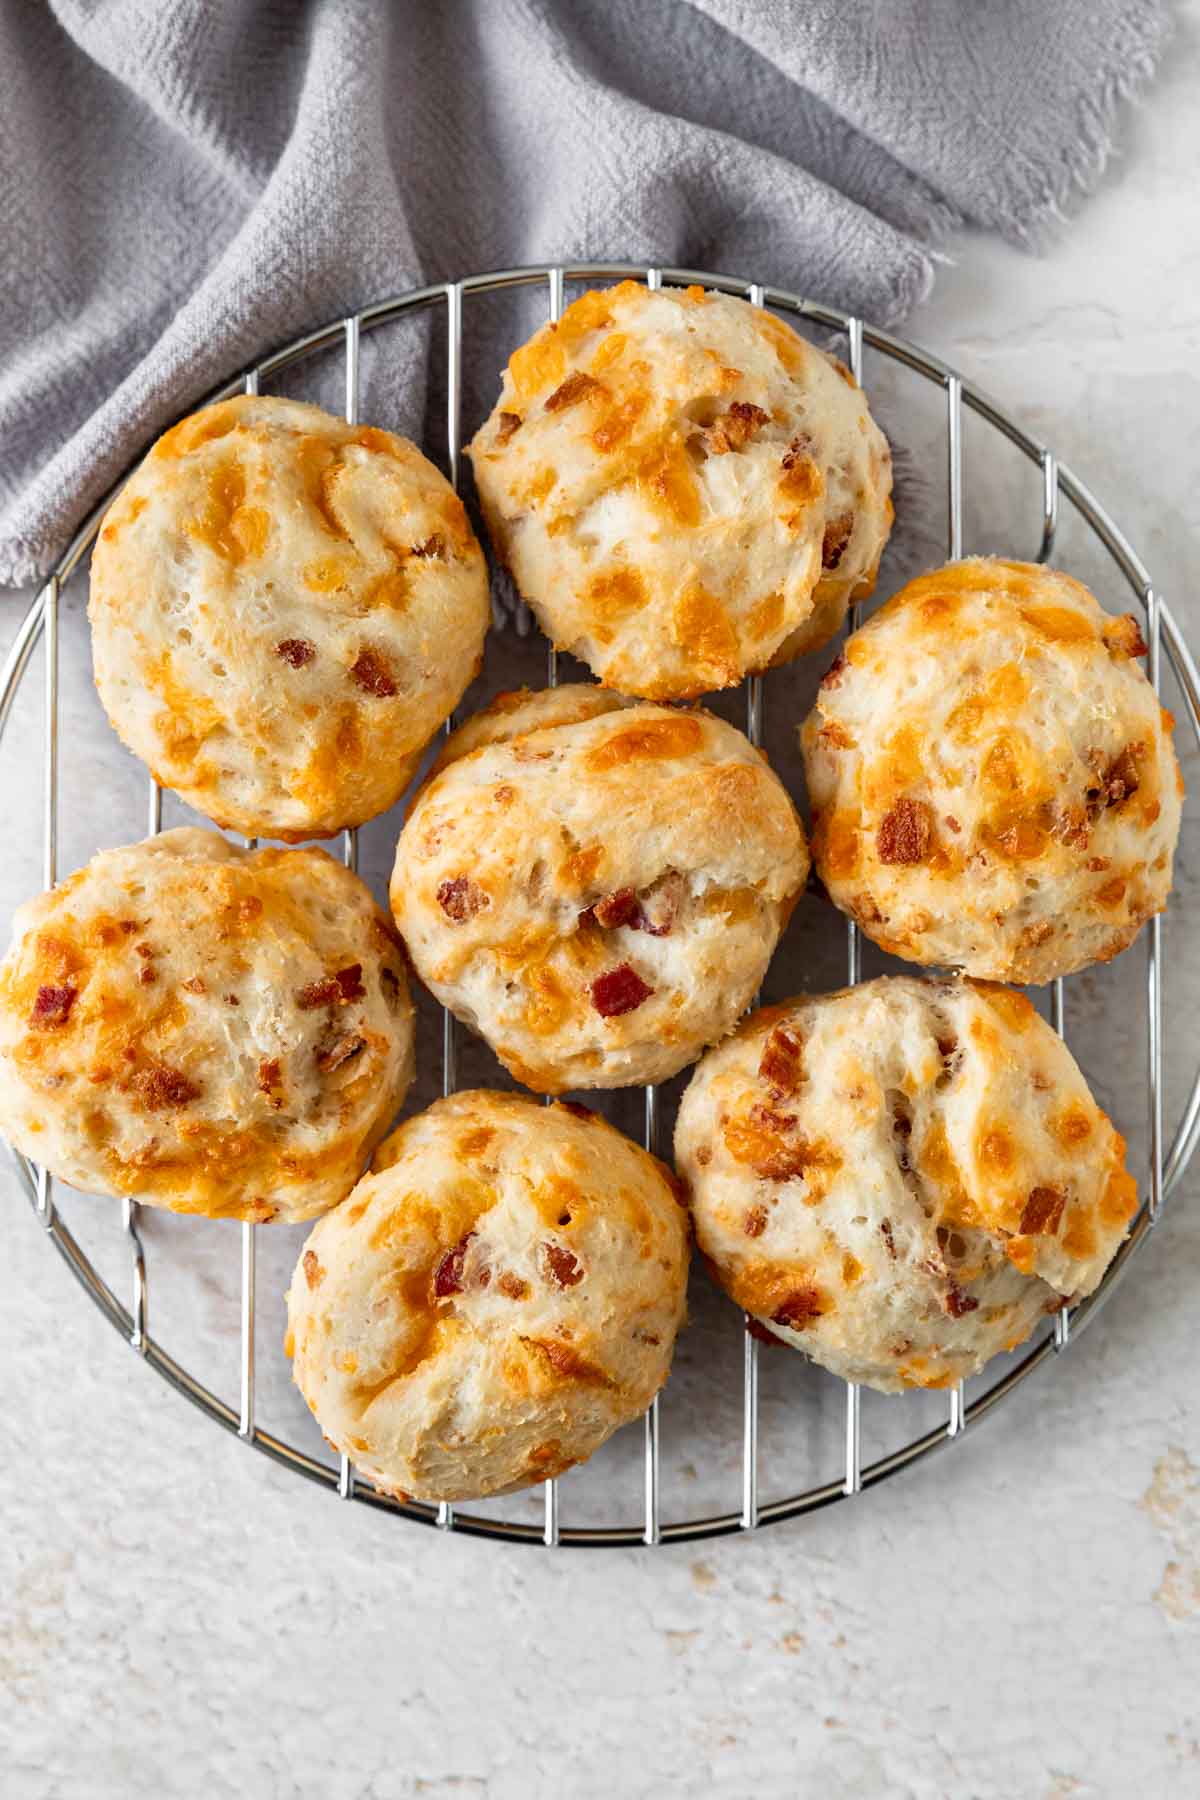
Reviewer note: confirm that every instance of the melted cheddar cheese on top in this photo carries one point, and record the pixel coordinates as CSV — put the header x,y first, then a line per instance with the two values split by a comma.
x,y
993,781
684,489
901,1179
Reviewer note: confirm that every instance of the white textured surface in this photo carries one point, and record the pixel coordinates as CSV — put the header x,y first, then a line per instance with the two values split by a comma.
x,y
1020,1616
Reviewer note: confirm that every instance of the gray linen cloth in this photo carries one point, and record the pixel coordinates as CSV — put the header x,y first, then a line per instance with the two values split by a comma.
x,y
188,184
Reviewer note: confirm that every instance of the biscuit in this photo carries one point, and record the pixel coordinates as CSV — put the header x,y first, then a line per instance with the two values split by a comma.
x,y
901,1179
684,489
284,609
993,782
494,1299
596,885
204,1028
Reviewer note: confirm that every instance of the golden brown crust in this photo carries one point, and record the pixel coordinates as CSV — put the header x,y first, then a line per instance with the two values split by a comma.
x,y
284,609
493,1300
684,489
993,781
901,1179
596,886
203,1028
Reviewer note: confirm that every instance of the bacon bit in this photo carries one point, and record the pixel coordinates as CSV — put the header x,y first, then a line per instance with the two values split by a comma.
x,y
268,1074
332,1057
435,546
1121,777
619,990
799,1309
129,925
799,450
959,1304
1113,782
734,429
447,1276
349,982
952,822
147,975
333,990
313,1272
885,1227
162,1087
296,652
52,1007
506,425
624,908
561,1266
512,1287
837,536
580,1111
1043,1211
146,950
781,1065
835,671
905,833
621,908
660,908
194,985
373,676
755,1221
461,898
575,387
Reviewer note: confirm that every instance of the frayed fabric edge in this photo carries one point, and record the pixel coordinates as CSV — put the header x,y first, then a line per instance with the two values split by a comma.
x,y
1142,36
28,568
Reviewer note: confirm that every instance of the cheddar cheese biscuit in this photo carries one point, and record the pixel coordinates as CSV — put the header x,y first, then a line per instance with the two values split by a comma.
x,y
684,489
596,885
493,1300
993,781
204,1028
284,609
901,1179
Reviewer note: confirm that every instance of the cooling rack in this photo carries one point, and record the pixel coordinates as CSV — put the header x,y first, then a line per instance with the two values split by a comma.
x,y
1165,1162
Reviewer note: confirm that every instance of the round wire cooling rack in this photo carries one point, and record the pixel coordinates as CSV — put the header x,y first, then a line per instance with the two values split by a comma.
x,y
1166,1161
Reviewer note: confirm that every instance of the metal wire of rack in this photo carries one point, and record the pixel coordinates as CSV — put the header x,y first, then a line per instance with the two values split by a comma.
x,y
1166,1163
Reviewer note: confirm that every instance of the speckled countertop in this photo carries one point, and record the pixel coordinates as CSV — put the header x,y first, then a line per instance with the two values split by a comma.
x,y
1019,1616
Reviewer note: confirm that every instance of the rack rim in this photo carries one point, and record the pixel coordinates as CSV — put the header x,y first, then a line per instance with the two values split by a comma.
x,y
1167,1165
